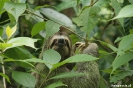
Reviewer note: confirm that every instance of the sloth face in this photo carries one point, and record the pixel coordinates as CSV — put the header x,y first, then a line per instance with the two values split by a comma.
x,y
61,43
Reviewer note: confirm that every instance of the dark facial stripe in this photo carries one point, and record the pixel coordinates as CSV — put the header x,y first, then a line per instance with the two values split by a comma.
x,y
67,43
53,43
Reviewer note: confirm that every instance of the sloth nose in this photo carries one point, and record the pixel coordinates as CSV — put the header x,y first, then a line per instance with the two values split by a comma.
x,y
61,40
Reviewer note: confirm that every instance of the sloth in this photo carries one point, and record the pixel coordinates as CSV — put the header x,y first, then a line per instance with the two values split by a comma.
x,y
91,79
61,43
91,48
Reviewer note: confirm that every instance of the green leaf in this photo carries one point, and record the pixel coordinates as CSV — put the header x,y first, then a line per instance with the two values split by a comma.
x,y
128,25
118,39
67,75
2,3
121,75
22,1
12,19
102,83
103,53
51,57
38,17
80,58
125,12
125,44
88,19
1,31
117,8
2,11
56,84
58,17
110,70
131,1
19,53
10,31
34,60
25,64
37,28
121,60
78,1
14,28
101,3
131,31
51,28
20,41
4,45
16,9
86,2
58,65
108,45
24,78
44,6
66,4
6,77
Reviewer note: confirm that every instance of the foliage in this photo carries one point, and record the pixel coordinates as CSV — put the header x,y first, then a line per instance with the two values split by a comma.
x,y
24,76
87,19
50,59
25,24
56,84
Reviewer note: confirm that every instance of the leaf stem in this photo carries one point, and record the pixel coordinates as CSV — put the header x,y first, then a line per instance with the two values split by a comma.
x,y
45,79
3,71
4,21
2,40
86,40
92,2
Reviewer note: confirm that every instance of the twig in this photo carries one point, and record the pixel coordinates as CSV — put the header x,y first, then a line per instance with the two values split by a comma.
x,y
106,26
36,14
92,3
4,80
3,71
57,23
45,79
86,41
4,21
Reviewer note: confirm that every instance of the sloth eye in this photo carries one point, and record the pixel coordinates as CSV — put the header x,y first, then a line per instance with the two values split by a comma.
x,y
67,43
54,41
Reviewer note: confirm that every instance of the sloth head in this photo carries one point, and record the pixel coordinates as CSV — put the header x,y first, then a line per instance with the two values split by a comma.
x,y
61,42
91,49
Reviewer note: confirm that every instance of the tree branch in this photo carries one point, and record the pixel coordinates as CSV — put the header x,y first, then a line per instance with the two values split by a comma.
x,y
57,23
3,71
92,3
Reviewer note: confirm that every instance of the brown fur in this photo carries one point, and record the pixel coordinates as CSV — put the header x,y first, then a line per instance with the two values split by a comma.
x,y
91,78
